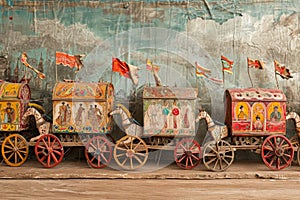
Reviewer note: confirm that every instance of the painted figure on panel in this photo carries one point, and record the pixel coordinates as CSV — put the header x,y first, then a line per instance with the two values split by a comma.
x,y
166,112
258,124
79,113
62,114
242,115
186,110
275,115
9,113
175,113
258,119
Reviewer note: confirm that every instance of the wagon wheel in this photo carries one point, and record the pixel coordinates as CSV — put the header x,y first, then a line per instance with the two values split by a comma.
x,y
98,152
277,152
187,153
49,150
218,155
15,150
130,152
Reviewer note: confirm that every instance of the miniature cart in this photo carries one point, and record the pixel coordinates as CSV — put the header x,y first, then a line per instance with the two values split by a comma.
x,y
80,118
256,120
14,99
169,124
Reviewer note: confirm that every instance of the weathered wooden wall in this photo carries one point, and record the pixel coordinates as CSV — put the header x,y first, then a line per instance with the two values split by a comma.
x,y
173,34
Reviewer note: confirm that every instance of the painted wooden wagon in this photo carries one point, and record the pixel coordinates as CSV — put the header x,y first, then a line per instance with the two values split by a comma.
x,y
80,118
256,120
169,124
14,100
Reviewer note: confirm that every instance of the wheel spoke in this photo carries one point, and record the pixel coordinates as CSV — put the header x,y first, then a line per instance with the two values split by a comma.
x,y
103,157
269,154
195,157
137,145
48,160
131,163
19,154
57,152
20,145
9,147
16,158
182,158
43,158
140,154
138,159
211,160
226,161
11,155
9,140
93,146
191,161
121,154
9,151
181,145
54,157
126,158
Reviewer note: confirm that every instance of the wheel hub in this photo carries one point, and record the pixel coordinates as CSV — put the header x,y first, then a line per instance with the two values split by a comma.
x,y
130,153
15,149
279,152
189,153
97,152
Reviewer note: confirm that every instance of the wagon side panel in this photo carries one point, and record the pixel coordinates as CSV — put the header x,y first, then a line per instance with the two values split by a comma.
x,y
169,111
14,99
84,109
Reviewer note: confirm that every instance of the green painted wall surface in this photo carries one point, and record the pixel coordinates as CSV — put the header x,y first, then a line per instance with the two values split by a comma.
x,y
173,34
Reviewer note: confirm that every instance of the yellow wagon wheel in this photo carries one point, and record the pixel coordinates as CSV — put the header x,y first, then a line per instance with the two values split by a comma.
x,y
15,150
130,152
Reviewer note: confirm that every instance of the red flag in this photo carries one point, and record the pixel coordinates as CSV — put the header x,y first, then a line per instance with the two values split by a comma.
x,y
257,64
227,64
126,70
69,60
282,70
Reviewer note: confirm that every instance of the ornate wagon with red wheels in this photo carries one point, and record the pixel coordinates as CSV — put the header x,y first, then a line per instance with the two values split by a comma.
x,y
80,118
169,124
256,120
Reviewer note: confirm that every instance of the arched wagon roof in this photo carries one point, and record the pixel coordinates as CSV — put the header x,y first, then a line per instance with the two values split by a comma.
x,y
82,90
255,94
13,91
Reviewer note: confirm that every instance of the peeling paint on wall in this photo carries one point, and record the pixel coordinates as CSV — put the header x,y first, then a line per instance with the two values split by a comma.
x,y
259,29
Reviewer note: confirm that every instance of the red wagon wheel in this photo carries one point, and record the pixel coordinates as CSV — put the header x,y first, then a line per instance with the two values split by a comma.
x,y
98,152
49,150
187,153
218,155
277,152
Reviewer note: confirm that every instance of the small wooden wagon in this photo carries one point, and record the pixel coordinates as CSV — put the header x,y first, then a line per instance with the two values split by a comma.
x,y
256,120
14,99
80,118
169,124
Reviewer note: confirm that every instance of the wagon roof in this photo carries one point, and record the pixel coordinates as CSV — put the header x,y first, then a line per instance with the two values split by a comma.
x,y
11,91
255,94
81,90
163,92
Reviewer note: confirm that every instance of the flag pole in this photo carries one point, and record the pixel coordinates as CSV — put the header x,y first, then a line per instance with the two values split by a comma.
x,y
249,72
276,75
223,74
196,74
55,68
